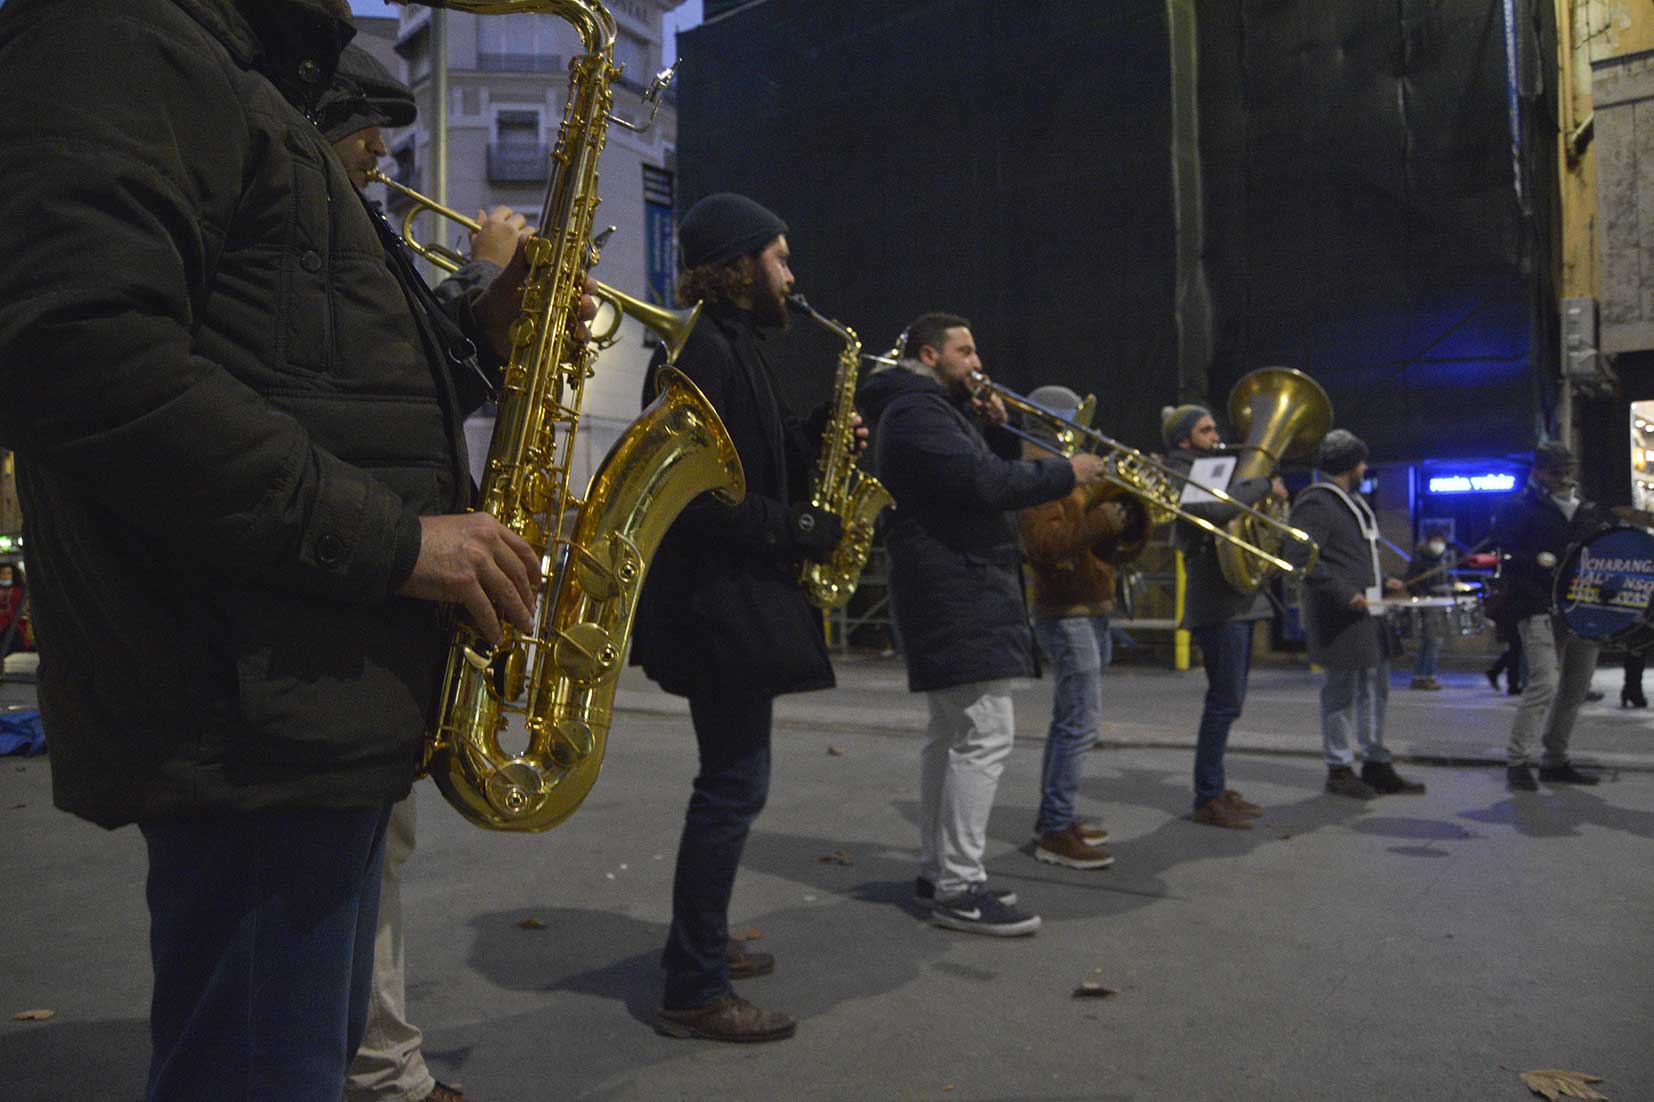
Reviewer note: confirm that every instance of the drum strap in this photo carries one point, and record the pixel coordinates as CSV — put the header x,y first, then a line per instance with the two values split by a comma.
x,y
1363,516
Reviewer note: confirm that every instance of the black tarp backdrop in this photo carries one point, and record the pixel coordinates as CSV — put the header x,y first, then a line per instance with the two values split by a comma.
x,y
1364,222
1013,162
1003,161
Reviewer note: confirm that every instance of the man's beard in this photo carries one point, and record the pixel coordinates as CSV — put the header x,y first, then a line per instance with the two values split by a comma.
x,y
769,306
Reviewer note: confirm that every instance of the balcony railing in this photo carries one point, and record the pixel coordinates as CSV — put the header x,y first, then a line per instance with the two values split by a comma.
x,y
518,162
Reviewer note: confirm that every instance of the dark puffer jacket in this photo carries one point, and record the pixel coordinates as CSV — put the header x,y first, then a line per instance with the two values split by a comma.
x,y
955,575
722,611
227,415
1533,536
1208,599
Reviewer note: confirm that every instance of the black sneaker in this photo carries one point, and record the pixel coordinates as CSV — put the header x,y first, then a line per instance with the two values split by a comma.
x,y
1520,778
924,893
1386,781
1342,781
1566,774
978,912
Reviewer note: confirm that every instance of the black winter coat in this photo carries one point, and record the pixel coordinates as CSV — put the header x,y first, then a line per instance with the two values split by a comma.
x,y
955,575
1208,599
227,415
1528,526
1340,638
721,610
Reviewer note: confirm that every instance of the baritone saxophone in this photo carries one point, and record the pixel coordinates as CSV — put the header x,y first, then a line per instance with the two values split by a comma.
x,y
558,683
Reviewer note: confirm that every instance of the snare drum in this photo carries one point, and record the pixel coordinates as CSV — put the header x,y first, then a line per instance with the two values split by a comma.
x,y
1603,586
1408,614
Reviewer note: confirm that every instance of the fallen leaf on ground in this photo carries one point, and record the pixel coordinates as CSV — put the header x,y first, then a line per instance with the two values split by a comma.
x,y
1554,1084
1092,990
33,1015
835,751
745,933
837,857
531,924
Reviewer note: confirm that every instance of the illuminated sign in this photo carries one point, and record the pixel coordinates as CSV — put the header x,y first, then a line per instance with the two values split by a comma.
x,y
1473,484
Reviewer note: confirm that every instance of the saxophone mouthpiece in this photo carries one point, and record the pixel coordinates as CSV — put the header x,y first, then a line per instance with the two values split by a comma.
x,y
798,304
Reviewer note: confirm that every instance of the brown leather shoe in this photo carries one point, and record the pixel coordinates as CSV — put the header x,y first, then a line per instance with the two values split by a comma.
x,y
1091,831
744,965
1217,813
730,1018
1236,802
445,1092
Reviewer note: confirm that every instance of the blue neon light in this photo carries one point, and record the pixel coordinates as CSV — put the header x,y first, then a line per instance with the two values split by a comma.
x,y
1473,484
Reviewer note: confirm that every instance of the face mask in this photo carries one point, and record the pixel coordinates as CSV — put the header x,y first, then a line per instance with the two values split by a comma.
x,y
1436,547
4,582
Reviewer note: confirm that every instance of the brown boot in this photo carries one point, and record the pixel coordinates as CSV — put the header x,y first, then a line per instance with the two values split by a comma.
x,y
730,1018
744,965
1068,848
1217,812
1239,803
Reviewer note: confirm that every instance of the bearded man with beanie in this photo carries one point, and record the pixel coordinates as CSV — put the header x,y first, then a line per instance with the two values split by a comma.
x,y
722,619
1347,635
1220,619
1069,544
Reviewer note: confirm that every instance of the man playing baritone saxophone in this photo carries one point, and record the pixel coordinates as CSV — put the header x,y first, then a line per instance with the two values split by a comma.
x,y
1067,543
1220,619
243,471
722,619
956,588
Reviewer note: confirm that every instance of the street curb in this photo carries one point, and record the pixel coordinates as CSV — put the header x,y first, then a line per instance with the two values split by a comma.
x,y
907,724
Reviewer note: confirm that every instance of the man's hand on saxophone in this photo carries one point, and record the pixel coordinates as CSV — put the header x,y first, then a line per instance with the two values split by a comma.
x,y
471,559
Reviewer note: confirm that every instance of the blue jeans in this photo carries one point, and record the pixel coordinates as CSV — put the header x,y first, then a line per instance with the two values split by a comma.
x,y
1354,700
1080,648
1226,652
1432,628
261,937
734,781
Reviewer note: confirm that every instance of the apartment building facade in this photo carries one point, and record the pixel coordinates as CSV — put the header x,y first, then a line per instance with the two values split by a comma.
x,y
507,82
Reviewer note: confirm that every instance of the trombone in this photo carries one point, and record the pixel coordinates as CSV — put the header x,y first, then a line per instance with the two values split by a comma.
x,y
672,326
1161,505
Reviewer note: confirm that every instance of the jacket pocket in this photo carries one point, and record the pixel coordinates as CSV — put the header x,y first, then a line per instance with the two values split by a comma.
x,y
322,685
305,322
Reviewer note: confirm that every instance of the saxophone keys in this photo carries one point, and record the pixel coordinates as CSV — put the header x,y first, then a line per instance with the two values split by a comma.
x,y
587,653
516,789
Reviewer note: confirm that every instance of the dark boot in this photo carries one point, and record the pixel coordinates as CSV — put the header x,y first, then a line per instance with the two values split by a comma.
x,y
1520,778
1387,782
1342,781
744,965
730,1018
1566,774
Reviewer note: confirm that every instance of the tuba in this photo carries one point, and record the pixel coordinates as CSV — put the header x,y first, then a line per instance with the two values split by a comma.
x,y
1282,413
559,682
840,486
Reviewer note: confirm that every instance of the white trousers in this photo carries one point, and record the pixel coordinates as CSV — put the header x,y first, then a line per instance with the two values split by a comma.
x,y
966,744
389,1066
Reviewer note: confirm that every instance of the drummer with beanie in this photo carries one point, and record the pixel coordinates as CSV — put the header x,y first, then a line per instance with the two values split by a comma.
x,y
1219,618
1533,532
1347,636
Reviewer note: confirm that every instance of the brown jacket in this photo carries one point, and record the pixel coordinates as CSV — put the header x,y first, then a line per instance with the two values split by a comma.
x,y
1061,540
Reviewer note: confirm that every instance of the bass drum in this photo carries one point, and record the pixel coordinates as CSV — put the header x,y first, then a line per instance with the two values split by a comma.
x,y
1603,588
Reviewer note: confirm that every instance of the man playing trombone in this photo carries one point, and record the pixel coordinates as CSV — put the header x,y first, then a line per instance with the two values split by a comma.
x,y
1220,618
957,595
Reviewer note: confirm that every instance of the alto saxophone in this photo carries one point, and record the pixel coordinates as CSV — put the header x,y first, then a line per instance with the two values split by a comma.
x,y
840,486
559,682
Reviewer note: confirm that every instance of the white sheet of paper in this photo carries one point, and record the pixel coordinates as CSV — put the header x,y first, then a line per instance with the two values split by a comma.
x,y
1208,473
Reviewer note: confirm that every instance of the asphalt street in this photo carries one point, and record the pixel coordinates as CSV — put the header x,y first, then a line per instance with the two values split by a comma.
x,y
1427,947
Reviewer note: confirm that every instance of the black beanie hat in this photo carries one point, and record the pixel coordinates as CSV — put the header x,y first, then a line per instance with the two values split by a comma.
x,y
363,94
1341,450
724,226
1553,455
